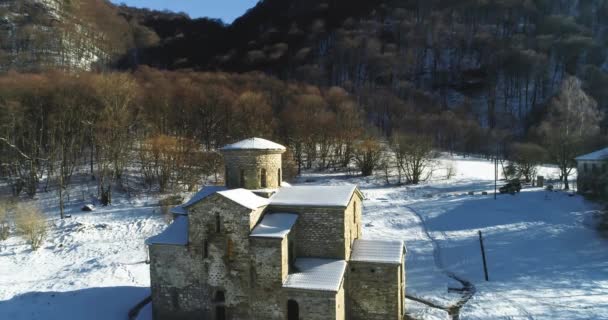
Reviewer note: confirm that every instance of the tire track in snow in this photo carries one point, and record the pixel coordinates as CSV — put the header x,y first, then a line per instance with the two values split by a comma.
x,y
468,289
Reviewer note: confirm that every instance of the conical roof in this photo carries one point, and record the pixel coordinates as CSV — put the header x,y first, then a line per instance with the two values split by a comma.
x,y
254,144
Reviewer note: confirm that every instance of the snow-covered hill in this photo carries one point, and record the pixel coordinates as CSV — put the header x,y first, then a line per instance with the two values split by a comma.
x,y
546,261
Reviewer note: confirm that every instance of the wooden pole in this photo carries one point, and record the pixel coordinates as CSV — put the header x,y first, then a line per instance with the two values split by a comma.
x,y
495,175
483,256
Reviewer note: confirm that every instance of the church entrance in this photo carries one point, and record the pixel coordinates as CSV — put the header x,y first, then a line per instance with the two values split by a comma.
x,y
220,307
220,313
293,310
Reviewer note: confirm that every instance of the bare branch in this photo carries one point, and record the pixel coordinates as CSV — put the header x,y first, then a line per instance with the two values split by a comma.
x,y
21,153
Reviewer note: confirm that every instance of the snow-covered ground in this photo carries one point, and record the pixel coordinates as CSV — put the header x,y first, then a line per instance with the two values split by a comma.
x,y
545,259
92,265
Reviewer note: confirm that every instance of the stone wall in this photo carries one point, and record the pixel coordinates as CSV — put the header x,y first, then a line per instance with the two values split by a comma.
x,y
224,255
375,291
252,163
319,305
320,231
326,232
270,268
176,290
592,177
353,222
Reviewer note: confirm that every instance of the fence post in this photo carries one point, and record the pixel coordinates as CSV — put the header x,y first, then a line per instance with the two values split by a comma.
x,y
483,255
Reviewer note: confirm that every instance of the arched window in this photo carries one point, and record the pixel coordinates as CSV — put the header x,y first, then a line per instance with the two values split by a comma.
x,y
355,213
218,223
242,179
229,249
279,178
293,310
263,183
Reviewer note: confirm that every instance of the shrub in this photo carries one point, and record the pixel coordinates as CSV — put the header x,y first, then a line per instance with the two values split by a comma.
x,y
450,171
4,221
368,153
31,223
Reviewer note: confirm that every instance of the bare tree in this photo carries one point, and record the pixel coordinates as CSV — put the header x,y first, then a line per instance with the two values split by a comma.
x,y
116,93
414,154
526,158
572,119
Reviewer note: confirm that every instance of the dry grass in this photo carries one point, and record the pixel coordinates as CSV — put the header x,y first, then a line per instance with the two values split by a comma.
x,y
31,223
4,220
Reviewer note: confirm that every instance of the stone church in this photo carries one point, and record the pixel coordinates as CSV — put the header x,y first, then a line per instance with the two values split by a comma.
x,y
261,249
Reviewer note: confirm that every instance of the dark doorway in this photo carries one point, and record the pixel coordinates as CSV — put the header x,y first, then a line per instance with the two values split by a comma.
x,y
293,310
220,297
220,313
220,308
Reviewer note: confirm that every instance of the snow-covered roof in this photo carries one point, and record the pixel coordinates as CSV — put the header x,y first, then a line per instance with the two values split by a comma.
x,y
595,156
202,194
317,274
176,233
254,144
245,198
275,225
377,251
314,196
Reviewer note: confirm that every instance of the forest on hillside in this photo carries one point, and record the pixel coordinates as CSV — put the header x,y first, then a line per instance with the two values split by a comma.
x,y
168,125
367,84
501,60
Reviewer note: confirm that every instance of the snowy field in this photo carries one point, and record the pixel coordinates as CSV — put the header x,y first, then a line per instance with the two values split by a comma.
x,y
92,265
545,259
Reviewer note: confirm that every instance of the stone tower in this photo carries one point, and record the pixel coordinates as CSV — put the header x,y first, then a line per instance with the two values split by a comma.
x,y
253,164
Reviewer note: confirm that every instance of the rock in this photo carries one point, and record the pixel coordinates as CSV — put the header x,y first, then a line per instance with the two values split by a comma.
x,y
485,193
88,208
471,193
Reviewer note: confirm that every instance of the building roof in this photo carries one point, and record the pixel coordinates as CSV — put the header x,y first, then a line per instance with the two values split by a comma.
x,y
314,196
275,225
176,234
202,194
317,274
244,198
594,156
389,252
254,144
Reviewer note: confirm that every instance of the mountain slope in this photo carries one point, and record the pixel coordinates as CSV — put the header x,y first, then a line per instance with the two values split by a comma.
x,y
41,34
496,61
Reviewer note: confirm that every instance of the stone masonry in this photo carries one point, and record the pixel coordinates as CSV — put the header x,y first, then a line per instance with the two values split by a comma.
x,y
294,253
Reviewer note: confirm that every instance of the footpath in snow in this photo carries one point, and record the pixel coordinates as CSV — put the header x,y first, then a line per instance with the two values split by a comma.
x,y
545,258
